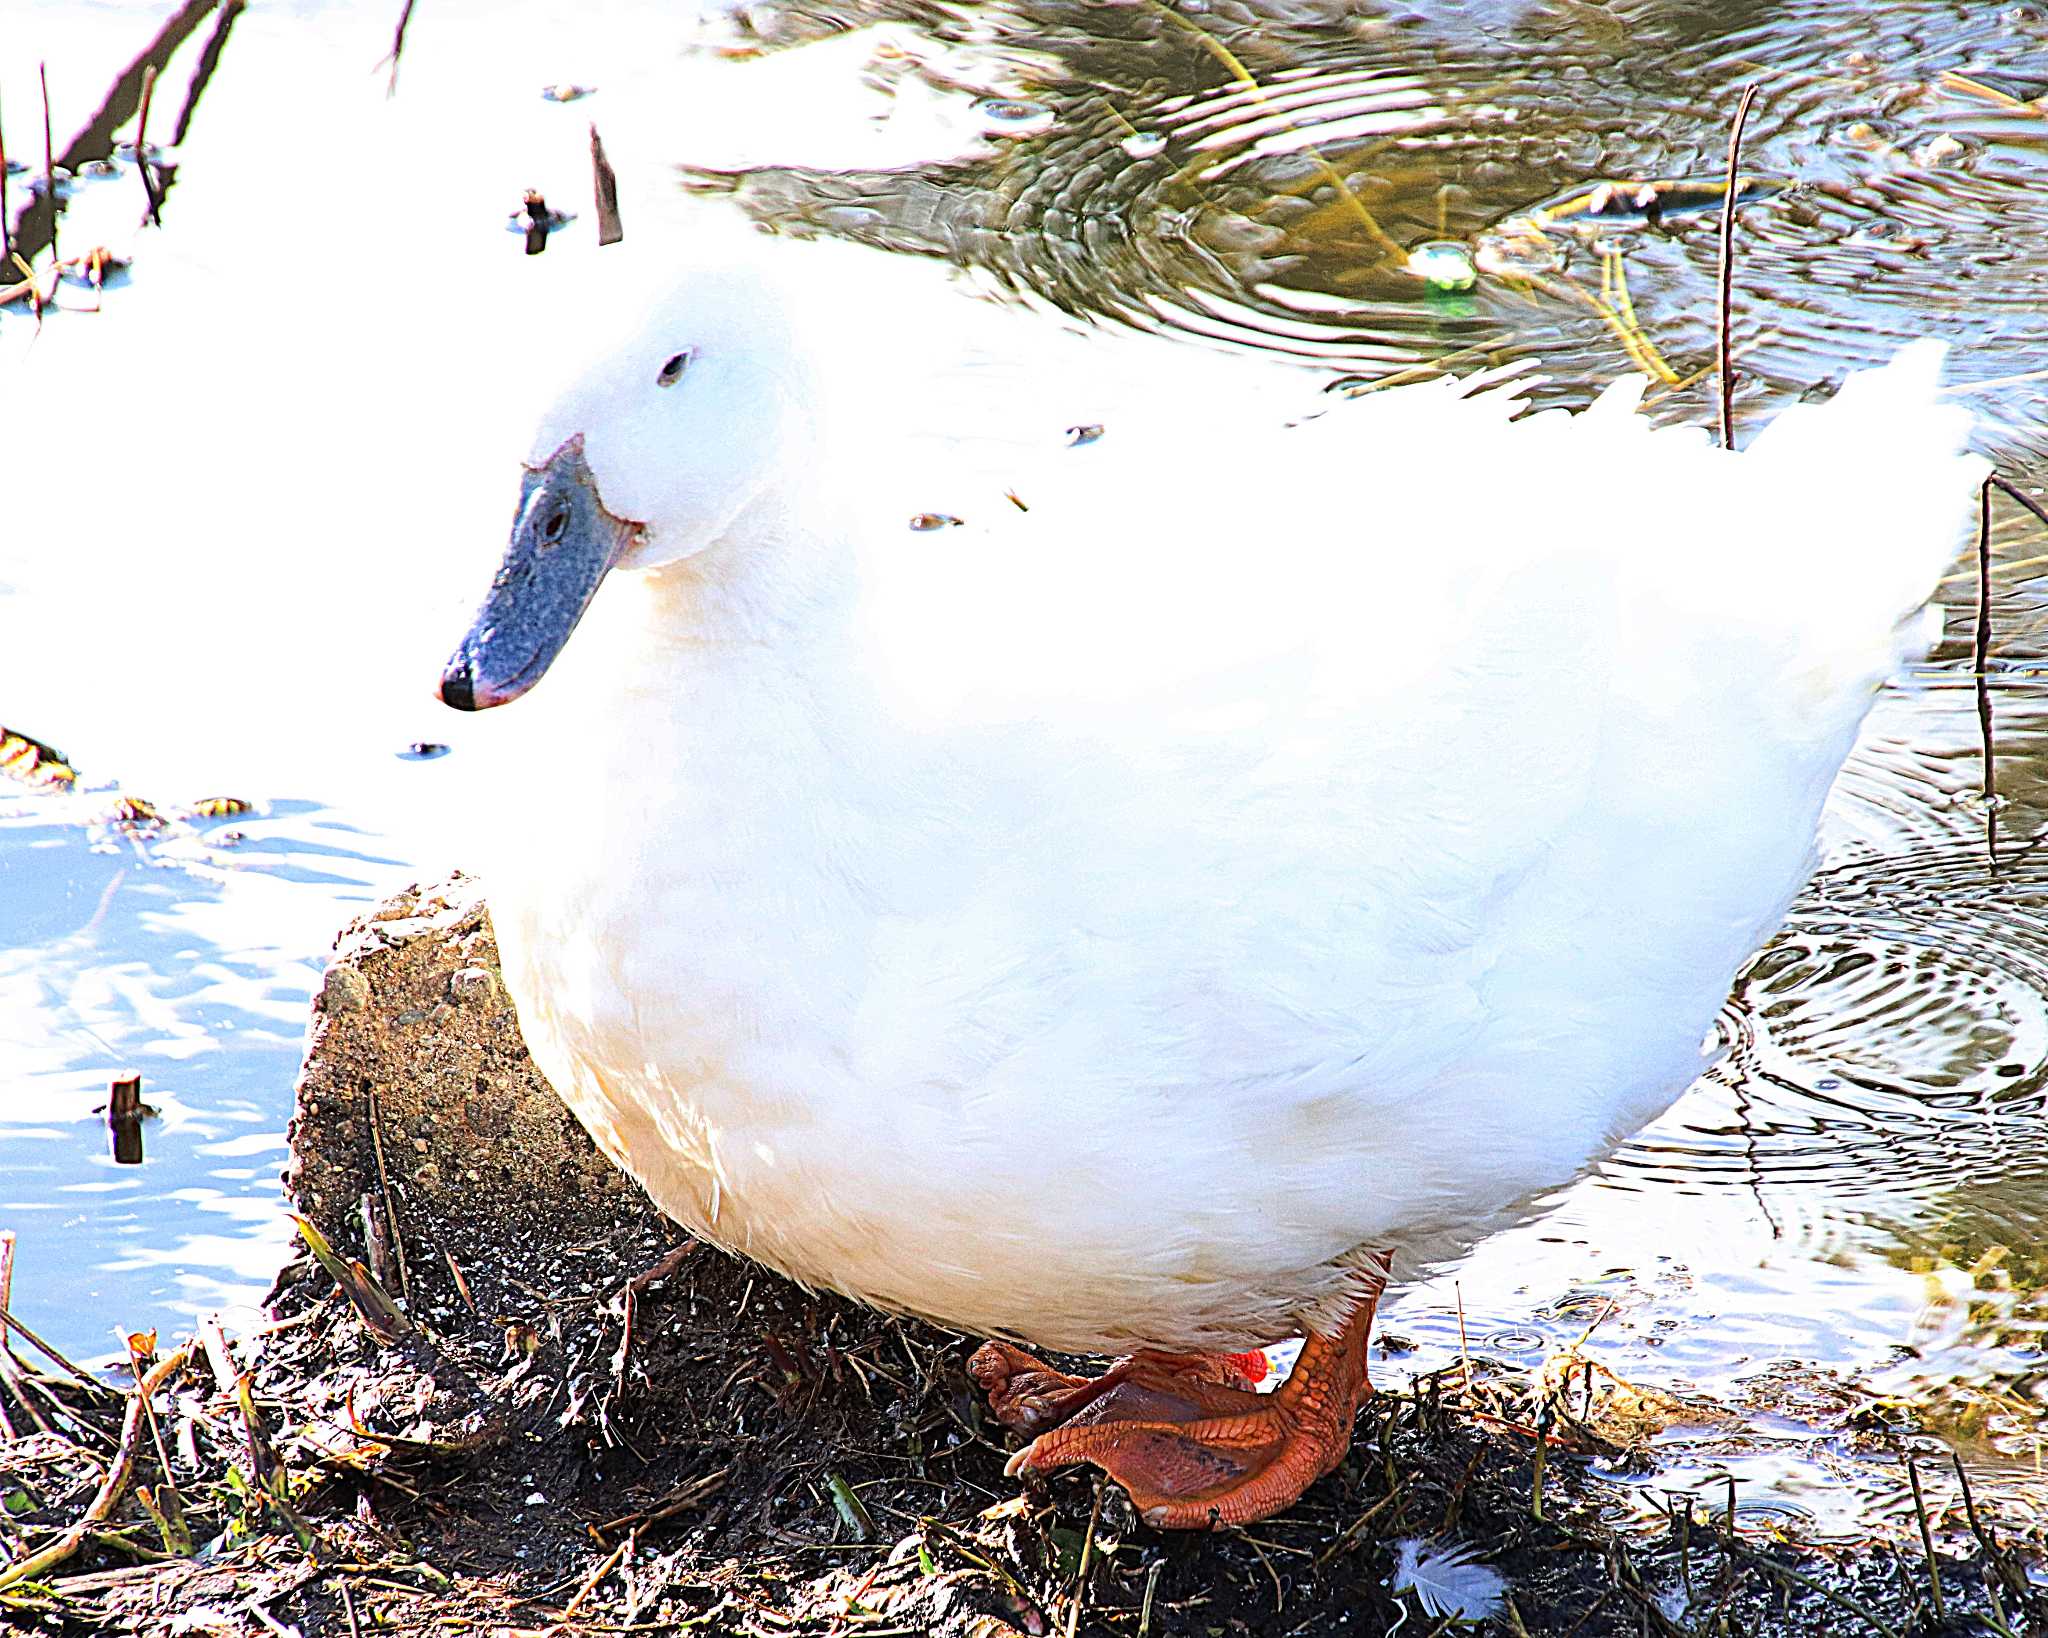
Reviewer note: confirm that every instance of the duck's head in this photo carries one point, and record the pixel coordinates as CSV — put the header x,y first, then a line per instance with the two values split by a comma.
x,y
683,414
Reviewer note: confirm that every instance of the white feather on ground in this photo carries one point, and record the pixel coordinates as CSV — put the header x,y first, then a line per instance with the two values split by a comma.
x,y
1447,1579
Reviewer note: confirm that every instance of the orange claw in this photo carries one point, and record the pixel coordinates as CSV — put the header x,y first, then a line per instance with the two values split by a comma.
x,y
1185,1434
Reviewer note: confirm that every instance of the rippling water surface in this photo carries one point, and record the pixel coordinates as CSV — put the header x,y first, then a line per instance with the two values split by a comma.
x,y
1861,1186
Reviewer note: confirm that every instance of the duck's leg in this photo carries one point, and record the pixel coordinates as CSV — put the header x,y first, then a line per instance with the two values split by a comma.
x,y
1194,1450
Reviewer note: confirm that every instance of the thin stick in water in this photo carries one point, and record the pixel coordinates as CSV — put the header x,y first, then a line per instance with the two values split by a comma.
x,y
142,146
2021,496
1728,269
1980,664
6,225
398,49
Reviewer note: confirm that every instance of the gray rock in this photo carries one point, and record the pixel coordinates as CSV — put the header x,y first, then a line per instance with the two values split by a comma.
x,y
481,1162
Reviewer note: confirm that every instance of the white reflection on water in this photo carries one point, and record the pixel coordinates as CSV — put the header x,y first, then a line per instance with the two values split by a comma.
x,y
189,960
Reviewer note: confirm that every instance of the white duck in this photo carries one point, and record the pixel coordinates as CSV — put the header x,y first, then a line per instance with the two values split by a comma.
x,y
1124,925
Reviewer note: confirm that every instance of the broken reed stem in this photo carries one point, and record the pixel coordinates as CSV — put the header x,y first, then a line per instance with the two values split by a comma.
x,y
10,1367
1727,310
6,1290
605,182
1151,1589
9,1318
596,1576
229,1379
142,145
1927,1541
2020,495
1981,662
390,1213
398,48
156,1432
1081,1570
1981,659
49,162
113,1486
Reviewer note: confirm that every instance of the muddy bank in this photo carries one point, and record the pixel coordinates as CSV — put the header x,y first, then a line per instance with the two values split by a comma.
x,y
508,1396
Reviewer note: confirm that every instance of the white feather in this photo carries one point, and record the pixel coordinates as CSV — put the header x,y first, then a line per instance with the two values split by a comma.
x,y
1447,1579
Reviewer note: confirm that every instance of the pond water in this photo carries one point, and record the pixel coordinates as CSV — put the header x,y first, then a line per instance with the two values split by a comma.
x,y
1847,1214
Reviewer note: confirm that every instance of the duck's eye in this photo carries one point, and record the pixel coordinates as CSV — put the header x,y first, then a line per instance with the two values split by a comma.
x,y
672,371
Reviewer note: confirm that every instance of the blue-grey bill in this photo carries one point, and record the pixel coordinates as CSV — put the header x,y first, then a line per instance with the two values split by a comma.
x,y
563,544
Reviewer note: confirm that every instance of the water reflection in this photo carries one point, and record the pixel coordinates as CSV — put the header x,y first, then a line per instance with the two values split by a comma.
x,y
1261,176
186,958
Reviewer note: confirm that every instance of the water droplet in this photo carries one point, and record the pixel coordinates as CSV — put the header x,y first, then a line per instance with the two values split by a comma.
x,y
423,750
566,92
1077,436
1144,144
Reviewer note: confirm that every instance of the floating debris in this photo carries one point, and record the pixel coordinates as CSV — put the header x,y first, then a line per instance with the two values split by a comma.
x,y
133,813
536,220
1941,150
1970,86
1648,201
567,92
125,1112
924,522
33,763
423,750
1013,117
1084,434
220,807
1444,265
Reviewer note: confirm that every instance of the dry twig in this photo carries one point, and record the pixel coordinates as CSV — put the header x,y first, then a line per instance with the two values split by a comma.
x,y
113,1486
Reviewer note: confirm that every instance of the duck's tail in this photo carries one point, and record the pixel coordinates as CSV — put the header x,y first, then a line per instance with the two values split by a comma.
x,y
1876,486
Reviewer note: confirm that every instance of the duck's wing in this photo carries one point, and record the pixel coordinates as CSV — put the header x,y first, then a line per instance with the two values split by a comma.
x,y
1423,806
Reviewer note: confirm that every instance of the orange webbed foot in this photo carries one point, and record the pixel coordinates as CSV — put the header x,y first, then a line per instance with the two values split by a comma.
x,y
1186,1435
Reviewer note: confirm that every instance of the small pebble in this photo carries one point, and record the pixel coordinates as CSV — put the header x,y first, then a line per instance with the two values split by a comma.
x,y
474,987
344,990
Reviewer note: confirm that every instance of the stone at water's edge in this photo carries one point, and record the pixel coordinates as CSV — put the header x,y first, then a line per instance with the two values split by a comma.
x,y
483,1161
